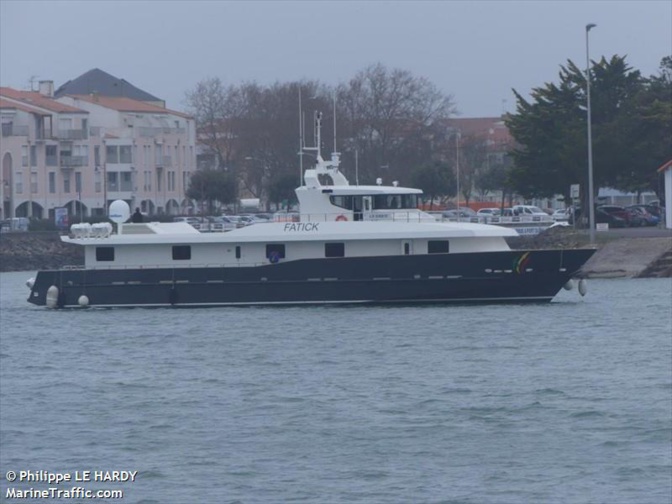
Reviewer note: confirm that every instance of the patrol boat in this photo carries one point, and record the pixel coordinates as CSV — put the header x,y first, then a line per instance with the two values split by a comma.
x,y
350,244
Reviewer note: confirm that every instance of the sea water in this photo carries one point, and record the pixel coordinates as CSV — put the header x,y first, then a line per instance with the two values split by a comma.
x,y
567,402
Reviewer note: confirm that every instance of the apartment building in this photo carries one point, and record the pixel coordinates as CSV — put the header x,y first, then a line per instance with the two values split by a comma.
x,y
81,152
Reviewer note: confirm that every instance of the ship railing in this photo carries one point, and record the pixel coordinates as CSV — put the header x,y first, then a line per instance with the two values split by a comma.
x,y
516,219
374,216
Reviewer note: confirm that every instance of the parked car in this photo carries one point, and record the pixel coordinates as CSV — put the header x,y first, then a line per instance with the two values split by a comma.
x,y
601,217
462,213
632,220
529,210
222,223
488,212
648,217
561,215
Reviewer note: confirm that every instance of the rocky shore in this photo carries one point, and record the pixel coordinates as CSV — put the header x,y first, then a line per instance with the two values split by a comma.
x,y
35,251
617,256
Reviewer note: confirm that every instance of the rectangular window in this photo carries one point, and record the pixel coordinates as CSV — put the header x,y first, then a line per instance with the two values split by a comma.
x,y
181,252
334,249
51,155
24,155
33,155
237,251
125,154
33,183
66,184
158,181
104,253
111,154
78,182
19,183
52,182
275,252
96,155
126,181
437,247
112,181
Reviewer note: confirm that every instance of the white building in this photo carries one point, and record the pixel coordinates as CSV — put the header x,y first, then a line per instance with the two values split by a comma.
x,y
82,152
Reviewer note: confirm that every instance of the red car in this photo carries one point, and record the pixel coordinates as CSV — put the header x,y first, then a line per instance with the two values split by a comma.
x,y
629,217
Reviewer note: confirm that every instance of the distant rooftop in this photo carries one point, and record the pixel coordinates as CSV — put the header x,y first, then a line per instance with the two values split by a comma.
x,y
35,99
126,105
101,83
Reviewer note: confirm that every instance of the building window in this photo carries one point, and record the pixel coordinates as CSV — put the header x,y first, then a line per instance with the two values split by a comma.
x,y
33,155
19,183
24,155
125,154
148,181
334,249
97,181
112,154
126,181
52,182
237,251
181,252
104,253
96,155
112,184
437,247
66,184
275,252
78,183
51,155
33,183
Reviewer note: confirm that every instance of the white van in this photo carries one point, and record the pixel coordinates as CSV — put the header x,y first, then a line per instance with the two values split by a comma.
x,y
532,211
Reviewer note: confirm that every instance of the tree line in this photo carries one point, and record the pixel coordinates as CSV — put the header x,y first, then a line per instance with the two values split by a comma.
x,y
393,125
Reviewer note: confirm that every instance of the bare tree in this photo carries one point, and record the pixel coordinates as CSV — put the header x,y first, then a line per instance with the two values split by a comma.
x,y
389,117
216,109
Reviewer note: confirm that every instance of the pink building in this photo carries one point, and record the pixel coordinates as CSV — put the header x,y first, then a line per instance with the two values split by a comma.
x,y
83,151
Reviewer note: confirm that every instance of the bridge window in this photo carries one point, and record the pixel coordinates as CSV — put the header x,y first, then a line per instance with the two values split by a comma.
x,y
342,201
104,253
437,247
181,252
334,249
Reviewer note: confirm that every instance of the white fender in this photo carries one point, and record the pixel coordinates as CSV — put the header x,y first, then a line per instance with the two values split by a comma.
x,y
569,285
83,301
30,282
51,298
583,287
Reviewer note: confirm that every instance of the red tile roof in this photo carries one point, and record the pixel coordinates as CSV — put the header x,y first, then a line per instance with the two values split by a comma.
x,y
492,128
6,104
37,100
665,166
123,104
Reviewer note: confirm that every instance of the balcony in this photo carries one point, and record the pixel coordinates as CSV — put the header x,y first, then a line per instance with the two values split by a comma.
x,y
145,131
164,162
72,134
10,130
70,162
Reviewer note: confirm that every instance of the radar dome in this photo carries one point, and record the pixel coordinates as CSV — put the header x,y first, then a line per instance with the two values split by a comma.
x,y
119,211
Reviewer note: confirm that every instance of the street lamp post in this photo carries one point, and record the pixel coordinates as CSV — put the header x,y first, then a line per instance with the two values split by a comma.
x,y
591,205
457,169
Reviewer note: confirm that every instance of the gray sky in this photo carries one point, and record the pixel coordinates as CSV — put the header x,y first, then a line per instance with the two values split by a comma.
x,y
476,51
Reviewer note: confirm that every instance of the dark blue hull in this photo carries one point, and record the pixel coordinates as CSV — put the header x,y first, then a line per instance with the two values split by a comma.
x,y
511,276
